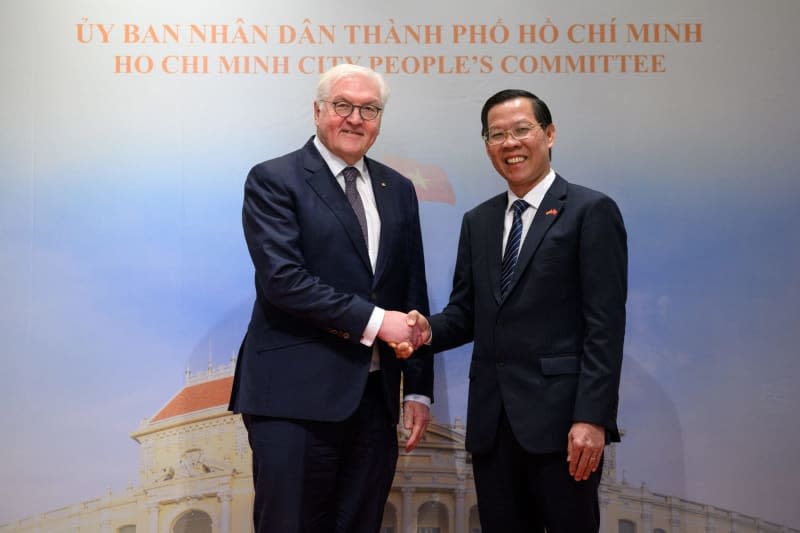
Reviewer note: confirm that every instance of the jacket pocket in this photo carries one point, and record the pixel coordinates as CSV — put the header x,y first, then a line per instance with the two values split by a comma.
x,y
563,364
275,338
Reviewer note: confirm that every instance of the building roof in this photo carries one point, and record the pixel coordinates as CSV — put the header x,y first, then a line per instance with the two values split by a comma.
x,y
197,397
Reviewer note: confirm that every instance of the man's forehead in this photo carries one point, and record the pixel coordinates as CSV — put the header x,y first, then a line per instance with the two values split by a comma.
x,y
515,105
359,80
510,117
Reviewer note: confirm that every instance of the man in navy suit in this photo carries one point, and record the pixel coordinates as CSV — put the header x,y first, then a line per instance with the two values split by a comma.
x,y
540,286
335,240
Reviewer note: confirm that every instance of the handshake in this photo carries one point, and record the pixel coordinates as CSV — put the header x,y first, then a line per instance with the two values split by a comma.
x,y
404,333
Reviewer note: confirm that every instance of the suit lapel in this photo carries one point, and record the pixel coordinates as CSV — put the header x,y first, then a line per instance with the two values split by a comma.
x,y
320,179
386,204
546,214
493,240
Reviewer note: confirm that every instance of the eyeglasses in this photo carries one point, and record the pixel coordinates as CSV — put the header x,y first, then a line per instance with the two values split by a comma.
x,y
520,131
345,109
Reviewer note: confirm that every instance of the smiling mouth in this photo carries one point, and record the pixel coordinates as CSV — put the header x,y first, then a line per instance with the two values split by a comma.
x,y
517,159
351,132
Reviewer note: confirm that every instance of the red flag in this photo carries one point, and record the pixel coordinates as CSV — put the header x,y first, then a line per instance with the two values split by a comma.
x,y
430,181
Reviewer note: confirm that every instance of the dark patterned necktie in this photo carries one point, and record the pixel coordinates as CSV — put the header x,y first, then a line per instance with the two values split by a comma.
x,y
512,246
350,176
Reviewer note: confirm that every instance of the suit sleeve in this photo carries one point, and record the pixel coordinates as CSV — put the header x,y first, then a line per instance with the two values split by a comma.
x,y
418,371
273,232
454,326
603,267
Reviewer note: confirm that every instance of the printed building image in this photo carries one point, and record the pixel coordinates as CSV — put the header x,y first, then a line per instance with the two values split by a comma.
x,y
194,477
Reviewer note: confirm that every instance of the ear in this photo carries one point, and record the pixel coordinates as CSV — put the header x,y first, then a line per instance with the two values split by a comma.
x,y
316,112
550,133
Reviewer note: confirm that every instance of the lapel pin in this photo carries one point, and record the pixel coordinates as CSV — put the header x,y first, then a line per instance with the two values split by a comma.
x,y
551,212
383,184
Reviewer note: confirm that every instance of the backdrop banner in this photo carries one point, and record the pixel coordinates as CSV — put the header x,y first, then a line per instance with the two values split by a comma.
x,y
128,129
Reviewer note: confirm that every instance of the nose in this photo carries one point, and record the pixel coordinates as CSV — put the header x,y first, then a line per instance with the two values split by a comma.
x,y
510,138
355,116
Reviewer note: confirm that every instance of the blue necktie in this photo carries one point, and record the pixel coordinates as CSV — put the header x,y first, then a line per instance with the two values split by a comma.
x,y
512,246
350,190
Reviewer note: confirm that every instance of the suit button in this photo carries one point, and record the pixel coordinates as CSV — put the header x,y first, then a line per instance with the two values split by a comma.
x,y
501,363
373,297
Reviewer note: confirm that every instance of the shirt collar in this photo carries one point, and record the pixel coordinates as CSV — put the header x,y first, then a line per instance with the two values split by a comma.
x,y
534,196
335,163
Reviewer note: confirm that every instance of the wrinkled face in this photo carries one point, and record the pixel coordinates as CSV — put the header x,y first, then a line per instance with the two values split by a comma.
x,y
349,137
522,162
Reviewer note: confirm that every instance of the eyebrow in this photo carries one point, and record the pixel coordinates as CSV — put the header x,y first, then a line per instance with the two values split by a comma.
x,y
517,123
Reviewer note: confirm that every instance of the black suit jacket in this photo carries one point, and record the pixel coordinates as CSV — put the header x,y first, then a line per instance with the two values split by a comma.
x,y
315,290
550,351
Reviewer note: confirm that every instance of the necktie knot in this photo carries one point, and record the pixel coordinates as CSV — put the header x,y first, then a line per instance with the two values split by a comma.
x,y
350,174
519,206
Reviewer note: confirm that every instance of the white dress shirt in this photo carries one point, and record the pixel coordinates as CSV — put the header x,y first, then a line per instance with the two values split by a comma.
x,y
534,199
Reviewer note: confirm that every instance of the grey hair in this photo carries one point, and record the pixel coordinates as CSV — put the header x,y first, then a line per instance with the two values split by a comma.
x,y
343,70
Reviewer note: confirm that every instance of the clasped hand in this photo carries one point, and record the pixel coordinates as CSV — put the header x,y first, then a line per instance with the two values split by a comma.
x,y
404,332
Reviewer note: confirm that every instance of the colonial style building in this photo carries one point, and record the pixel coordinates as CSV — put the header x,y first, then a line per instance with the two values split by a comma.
x,y
194,477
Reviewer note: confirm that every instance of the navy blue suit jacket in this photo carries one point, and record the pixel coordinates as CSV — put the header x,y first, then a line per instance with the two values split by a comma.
x,y
315,290
550,351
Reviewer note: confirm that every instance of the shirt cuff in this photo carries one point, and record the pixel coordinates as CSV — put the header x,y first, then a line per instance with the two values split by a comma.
x,y
417,398
373,326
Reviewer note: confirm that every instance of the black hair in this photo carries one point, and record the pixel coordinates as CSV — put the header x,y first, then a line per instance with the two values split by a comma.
x,y
540,109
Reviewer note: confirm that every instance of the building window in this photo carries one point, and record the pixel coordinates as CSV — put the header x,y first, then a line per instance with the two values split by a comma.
x,y
626,526
193,522
389,522
127,529
474,520
432,518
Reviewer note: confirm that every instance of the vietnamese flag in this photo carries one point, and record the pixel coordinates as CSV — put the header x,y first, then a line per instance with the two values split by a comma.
x,y
430,181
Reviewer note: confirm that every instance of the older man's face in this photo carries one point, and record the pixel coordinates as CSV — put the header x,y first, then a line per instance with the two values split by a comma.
x,y
349,137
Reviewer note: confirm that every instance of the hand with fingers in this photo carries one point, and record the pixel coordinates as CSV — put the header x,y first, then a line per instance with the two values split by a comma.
x,y
416,417
585,444
420,334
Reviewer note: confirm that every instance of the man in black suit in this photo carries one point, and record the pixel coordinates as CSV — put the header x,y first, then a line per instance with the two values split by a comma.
x,y
335,240
540,286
